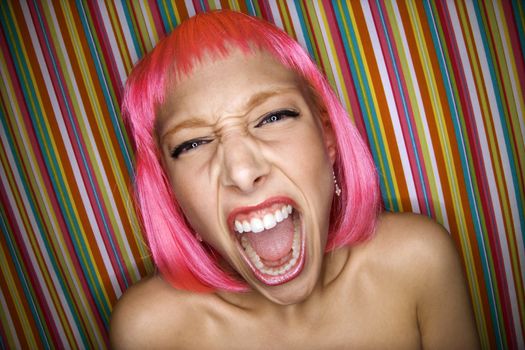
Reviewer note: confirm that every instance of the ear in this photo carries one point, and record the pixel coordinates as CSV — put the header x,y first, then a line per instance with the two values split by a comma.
x,y
330,140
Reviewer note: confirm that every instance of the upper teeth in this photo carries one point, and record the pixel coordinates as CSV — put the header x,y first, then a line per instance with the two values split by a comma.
x,y
267,222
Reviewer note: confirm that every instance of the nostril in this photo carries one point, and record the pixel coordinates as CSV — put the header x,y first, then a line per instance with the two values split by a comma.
x,y
258,179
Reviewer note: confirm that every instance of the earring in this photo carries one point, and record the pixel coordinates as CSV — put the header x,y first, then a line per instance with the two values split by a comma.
x,y
198,237
337,188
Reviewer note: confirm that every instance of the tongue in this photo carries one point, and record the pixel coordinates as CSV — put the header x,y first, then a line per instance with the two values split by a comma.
x,y
275,243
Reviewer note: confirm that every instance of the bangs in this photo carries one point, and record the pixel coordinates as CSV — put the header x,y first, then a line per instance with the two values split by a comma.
x,y
180,258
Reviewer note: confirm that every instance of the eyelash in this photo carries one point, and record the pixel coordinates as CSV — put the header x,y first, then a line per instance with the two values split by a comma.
x,y
269,118
188,146
277,116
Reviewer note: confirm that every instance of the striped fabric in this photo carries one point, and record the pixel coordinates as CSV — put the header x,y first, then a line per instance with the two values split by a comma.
x,y
435,87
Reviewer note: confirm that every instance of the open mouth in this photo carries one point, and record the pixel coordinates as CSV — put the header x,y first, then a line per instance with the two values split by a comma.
x,y
271,241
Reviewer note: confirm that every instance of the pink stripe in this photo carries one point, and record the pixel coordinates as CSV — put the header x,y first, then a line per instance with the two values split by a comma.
x,y
107,54
266,11
345,70
56,207
64,101
52,194
197,6
36,289
475,153
157,19
515,45
419,185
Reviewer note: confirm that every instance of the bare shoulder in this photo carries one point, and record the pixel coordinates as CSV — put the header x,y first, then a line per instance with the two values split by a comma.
x,y
419,254
408,244
414,237
140,317
419,251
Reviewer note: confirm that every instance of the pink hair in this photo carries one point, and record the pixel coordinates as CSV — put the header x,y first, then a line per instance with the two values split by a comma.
x,y
183,261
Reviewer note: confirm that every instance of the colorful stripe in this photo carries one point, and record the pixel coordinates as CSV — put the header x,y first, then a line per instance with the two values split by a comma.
x,y
435,87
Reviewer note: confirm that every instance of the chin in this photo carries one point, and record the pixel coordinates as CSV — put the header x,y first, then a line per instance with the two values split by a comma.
x,y
292,292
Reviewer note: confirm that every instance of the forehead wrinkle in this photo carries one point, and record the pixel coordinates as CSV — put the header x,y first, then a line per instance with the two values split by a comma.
x,y
253,101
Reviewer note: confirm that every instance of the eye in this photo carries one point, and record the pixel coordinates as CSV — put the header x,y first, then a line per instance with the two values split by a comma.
x,y
188,146
276,116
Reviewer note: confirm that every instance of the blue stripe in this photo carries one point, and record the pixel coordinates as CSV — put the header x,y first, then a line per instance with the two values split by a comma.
x,y
45,143
136,43
519,13
405,108
370,114
300,15
503,116
250,7
82,153
16,258
29,194
431,13
364,96
26,285
114,112
166,16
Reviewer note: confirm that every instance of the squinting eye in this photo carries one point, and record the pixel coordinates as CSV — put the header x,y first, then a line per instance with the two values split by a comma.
x,y
276,116
188,146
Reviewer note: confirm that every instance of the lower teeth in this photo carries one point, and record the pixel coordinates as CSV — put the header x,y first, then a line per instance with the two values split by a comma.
x,y
256,259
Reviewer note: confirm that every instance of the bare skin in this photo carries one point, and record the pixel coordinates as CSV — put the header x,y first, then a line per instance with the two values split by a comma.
x,y
403,289
223,137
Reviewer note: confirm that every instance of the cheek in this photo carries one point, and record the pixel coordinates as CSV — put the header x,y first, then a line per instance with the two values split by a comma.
x,y
309,158
189,193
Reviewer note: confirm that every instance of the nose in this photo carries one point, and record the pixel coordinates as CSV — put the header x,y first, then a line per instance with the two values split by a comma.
x,y
244,165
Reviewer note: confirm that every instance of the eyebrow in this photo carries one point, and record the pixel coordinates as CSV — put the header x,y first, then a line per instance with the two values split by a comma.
x,y
254,101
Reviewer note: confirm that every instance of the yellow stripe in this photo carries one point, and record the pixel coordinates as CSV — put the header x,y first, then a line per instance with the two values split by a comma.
x,y
21,315
396,193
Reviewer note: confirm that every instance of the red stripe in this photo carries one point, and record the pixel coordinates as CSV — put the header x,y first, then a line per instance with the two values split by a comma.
x,y
345,70
105,47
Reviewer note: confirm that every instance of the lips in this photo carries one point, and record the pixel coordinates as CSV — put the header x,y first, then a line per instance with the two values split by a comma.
x,y
270,238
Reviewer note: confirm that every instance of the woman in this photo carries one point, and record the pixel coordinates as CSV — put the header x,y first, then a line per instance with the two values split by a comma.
x,y
260,205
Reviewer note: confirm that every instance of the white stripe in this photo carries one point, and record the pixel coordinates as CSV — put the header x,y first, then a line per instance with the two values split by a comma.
x,y
41,191
434,97
333,65
115,53
45,74
189,6
149,25
69,150
496,118
96,153
422,117
512,77
297,24
485,152
90,90
10,326
42,286
477,114
394,116
275,13
98,162
127,33
92,144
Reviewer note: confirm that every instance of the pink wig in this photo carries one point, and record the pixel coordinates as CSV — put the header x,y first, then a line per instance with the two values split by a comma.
x,y
183,261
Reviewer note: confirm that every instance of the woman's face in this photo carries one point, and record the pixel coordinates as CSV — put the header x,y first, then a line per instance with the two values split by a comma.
x,y
251,168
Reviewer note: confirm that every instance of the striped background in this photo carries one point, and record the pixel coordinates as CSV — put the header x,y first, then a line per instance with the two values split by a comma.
x,y
436,88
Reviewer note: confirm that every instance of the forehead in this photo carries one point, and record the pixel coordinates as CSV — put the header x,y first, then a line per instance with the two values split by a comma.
x,y
227,86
